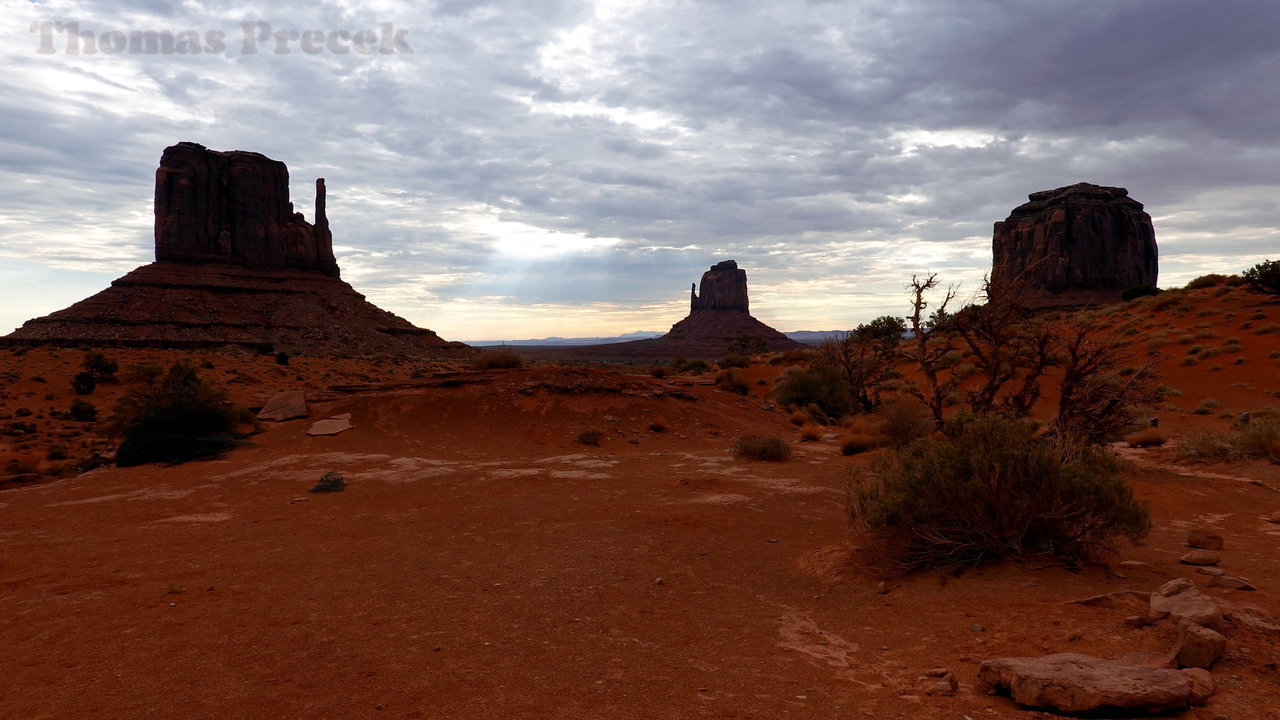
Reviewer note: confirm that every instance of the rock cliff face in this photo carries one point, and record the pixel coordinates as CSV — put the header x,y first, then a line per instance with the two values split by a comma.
x,y
234,265
1076,245
723,287
233,207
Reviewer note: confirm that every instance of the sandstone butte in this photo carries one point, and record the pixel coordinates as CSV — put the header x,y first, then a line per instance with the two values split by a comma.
x,y
719,314
235,264
1077,245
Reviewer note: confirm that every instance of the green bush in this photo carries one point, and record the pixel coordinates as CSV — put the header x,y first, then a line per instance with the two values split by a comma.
x,y
992,490
734,360
175,418
819,384
770,448
904,420
1207,281
1264,277
497,358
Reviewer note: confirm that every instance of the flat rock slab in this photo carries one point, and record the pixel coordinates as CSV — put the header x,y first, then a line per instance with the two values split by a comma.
x,y
1070,682
331,426
286,405
1182,601
1201,557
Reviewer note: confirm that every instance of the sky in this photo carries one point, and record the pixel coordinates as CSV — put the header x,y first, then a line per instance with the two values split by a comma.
x,y
527,168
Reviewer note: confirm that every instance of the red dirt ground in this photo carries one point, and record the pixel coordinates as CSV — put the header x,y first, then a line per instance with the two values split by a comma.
x,y
482,564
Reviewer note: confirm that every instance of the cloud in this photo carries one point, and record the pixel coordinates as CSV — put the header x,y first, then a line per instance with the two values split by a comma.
x,y
530,163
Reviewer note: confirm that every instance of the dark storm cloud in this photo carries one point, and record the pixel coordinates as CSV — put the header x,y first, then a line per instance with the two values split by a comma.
x,y
832,148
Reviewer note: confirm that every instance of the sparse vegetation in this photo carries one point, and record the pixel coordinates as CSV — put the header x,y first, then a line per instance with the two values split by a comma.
x,y
770,448
102,368
590,437
1136,291
1207,281
84,383
175,418
859,442
1256,440
820,384
1148,437
1264,277
82,411
810,433
733,380
1206,406
992,490
499,358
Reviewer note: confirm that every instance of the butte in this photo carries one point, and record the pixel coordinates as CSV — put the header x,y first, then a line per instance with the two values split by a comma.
x,y
1077,245
719,314
235,265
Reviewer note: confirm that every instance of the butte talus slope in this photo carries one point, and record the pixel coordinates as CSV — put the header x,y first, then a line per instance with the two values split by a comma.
x,y
1076,245
234,265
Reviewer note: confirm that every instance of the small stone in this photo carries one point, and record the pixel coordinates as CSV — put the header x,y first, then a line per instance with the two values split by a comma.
x,y
1231,583
937,672
1210,571
1198,646
1200,557
945,687
1274,518
882,588
298,500
1136,622
658,581
1204,539
977,628
329,482
1202,687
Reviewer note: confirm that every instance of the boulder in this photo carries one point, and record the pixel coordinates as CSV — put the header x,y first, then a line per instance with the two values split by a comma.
x,y
1200,557
1204,539
330,482
286,405
1076,244
1198,646
1075,683
1231,583
1182,601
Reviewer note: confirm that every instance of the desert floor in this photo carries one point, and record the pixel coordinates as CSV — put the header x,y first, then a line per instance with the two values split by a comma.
x,y
483,564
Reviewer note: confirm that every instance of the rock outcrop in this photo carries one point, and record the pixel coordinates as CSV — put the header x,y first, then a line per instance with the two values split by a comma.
x,y
234,265
723,287
1076,245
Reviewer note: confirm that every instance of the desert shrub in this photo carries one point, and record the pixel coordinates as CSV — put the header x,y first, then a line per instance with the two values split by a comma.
x,y
57,451
84,383
82,411
1149,437
659,424
1207,281
1258,440
1206,406
794,356
747,345
175,418
799,417
992,490
1137,291
819,384
859,442
1186,339
590,437
810,433
282,358
1264,277
101,367
903,421
496,359
733,380
18,467
659,370
689,367
770,448
143,373
734,360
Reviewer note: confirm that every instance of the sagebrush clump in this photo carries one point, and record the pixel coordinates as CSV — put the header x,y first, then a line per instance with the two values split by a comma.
x,y
498,358
770,448
992,489
174,418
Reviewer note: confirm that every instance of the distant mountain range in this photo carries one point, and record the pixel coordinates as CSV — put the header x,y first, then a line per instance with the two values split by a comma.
x,y
809,337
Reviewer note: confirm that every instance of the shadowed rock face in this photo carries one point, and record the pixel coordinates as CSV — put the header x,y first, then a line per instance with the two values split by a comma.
x,y
233,208
1076,244
723,287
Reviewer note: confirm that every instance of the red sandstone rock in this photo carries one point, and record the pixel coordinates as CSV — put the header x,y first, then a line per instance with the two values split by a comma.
x,y
723,287
233,207
1077,244
1074,683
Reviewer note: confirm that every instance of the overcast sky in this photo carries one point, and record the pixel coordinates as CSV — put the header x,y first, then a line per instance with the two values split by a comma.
x,y
558,167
